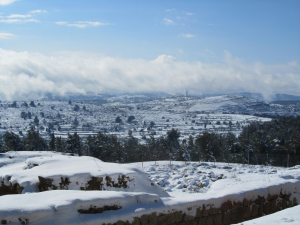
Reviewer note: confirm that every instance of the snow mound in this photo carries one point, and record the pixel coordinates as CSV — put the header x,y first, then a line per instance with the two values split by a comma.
x,y
74,207
29,172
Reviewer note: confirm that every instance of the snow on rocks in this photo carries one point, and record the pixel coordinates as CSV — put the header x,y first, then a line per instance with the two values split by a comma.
x,y
42,171
182,178
189,177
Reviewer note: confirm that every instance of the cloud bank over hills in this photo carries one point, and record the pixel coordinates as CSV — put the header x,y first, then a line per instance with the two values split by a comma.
x,y
30,75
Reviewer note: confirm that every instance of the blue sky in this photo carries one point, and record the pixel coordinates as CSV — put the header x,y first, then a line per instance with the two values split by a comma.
x,y
264,31
168,45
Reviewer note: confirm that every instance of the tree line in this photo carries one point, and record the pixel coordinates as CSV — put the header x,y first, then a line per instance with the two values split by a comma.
x,y
258,143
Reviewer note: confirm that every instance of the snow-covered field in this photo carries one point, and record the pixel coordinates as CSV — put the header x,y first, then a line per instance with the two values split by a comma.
x,y
190,115
150,186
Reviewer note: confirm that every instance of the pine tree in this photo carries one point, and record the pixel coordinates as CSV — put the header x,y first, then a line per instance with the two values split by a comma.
x,y
14,105
90,147
77,143
23,115
70,144
12,142
152,124
33,142
58,144
32,104
73,143
153,148
2,147
192,149
173,144
75,123
202,142
164,148
52,143
76,108
129,119
118,120
36,121
186,153
131,149
118,154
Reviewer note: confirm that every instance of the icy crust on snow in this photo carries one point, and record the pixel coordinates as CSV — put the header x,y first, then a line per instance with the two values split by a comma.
x,y
62,206
25,168
289,216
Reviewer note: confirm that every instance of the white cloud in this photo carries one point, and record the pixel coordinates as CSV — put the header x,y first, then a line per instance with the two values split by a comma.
x,y
78,25
61,23
38,11
82,24
18,21
188,13
19,16
7,2
24,74
170,10
187,35
7,36
168,22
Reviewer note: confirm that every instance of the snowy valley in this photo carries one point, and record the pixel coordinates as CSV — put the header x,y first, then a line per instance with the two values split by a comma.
x,y
64,188
190,115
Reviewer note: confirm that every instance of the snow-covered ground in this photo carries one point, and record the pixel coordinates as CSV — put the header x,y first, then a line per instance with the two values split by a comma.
x,y
290,216
26,168
194,177
165,185
190,115
67,207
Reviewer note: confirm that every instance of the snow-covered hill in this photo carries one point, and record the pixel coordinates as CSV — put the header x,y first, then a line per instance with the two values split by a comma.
x,y
190,115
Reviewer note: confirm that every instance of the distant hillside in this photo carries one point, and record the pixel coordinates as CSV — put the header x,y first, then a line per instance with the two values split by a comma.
x,y
105,98
277,97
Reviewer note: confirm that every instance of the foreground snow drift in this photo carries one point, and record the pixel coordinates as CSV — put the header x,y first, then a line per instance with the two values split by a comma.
x,y
74,207
34,172
289,216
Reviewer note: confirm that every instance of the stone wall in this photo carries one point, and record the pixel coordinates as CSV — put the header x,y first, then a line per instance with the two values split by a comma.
x,y
230,212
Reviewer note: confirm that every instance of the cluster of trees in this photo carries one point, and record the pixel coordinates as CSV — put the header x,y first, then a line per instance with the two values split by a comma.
x,y
24,104
25,115
31,142
259,143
